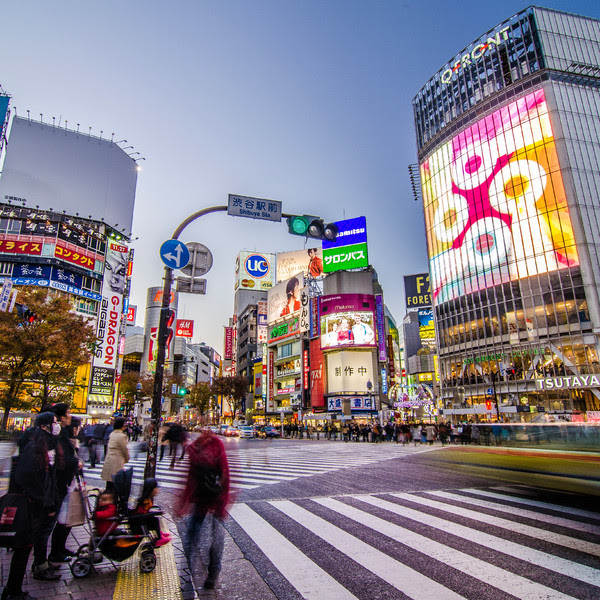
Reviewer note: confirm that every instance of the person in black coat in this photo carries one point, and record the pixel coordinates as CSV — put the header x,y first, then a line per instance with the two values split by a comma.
x,y
64,477
35,476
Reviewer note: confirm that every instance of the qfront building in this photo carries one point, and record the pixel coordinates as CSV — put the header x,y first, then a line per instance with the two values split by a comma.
x,y
508,138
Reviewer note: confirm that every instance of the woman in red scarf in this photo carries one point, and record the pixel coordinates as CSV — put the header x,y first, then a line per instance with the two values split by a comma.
x,y
206,491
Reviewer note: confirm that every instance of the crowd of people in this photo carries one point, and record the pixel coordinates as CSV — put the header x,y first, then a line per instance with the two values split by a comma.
x,y
399,432
48,462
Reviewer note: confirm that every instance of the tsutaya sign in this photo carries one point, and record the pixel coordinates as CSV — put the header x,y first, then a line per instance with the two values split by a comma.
x,y
568,383
478,51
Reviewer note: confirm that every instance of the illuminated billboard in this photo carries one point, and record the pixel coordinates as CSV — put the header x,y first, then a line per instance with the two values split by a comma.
x,y
349,371
308,262
417,289
254,271
426,327
56,169
495,204
347,320
285,298
349,250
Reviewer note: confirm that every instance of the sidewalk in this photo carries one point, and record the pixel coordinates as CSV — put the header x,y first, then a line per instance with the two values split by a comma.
x,y
167,582
170,580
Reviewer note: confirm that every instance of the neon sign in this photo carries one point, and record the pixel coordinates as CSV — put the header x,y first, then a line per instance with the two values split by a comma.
x,y
478,51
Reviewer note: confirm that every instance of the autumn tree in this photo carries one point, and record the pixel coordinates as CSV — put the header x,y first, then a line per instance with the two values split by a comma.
x,y
41,352
234,388
201,397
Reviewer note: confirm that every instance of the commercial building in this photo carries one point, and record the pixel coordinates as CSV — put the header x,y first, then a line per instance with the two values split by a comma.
x,y
66,210
509,154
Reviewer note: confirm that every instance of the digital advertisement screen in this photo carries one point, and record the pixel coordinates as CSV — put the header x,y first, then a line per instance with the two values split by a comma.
x,y
495,205
347,320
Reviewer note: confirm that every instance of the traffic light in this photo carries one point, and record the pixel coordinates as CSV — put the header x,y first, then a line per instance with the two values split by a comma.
x,y
183,391
312,227
25,314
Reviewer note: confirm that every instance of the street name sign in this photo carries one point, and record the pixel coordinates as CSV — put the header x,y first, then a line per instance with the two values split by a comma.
x,y
254,208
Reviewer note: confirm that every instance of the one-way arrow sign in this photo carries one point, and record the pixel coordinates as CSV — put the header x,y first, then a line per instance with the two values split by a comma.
x,y
174,254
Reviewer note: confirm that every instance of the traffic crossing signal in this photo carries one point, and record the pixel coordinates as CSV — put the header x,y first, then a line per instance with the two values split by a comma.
x,y
312,227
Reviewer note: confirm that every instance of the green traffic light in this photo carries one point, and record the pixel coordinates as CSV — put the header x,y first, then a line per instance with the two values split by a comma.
x,y
183,391
298,225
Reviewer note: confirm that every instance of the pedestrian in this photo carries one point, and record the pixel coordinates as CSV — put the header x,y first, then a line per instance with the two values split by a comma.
x,y
206,494
95,441
415,433
430,433
176,436
117,453
64,477
35,476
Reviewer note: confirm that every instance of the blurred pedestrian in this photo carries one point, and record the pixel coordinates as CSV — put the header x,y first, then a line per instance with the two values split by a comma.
x,y
35,476
206,494
117,453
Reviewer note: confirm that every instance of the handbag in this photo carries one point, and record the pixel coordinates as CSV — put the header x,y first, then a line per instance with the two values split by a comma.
x,y
72,513
16,521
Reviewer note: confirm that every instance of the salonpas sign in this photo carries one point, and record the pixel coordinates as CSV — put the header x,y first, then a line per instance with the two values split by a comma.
x,y
568,383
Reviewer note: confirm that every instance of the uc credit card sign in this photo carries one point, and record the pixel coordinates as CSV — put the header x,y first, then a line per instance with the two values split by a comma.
x,y
349,251
255,271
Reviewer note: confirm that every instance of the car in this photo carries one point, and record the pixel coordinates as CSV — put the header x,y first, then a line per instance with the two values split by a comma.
x,y
231,432
247,431
223,429
271,432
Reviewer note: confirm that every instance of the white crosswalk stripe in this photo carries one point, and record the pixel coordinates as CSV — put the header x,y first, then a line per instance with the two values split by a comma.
x,y
266,465
426,546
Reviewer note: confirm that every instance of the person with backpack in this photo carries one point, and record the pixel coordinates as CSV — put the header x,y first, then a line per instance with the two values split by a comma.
x,y
206,493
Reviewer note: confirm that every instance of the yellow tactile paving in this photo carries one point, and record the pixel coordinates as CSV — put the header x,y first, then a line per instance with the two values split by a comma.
x,y
161,584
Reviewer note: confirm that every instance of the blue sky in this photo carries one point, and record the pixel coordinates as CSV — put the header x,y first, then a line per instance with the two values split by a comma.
x,y
307,102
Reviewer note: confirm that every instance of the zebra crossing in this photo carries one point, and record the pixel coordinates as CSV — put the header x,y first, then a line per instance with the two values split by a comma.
x,y
494,544
250,468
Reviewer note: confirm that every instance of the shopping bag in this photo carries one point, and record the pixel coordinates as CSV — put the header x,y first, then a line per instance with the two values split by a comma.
x,y
71,513
16,521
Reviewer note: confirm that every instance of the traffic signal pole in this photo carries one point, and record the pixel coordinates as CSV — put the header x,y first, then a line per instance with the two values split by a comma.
x,y
165,311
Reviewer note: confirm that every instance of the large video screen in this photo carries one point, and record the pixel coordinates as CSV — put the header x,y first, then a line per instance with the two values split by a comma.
x,y
495,204
347,320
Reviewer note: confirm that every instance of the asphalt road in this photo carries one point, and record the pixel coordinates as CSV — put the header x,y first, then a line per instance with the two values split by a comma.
x,y
399,523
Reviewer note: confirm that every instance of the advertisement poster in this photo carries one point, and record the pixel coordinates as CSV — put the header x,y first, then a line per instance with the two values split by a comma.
x,y
426,327
317,375
349,250
380,329
417,289
349,371
254,271
184,328
347,320
284,299
309,262
228,343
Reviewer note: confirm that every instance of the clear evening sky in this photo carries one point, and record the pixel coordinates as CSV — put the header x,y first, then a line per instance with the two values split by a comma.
x,y
307,102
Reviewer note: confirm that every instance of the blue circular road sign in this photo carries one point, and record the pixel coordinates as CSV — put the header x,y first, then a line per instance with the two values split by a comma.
x,y
174,254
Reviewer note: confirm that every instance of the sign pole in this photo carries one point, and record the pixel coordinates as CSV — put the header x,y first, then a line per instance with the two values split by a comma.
x,y
150,468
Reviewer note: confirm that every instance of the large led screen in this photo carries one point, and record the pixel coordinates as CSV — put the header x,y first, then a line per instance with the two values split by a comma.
x,y
347,320
495,204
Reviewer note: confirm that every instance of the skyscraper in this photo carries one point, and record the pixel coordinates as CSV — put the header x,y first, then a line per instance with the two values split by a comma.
x,y
508,137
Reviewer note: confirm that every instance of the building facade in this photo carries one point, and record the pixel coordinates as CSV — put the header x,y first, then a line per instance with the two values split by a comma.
x,y
508,138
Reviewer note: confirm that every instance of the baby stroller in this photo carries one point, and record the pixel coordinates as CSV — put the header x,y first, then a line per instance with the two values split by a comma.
x,y
124,536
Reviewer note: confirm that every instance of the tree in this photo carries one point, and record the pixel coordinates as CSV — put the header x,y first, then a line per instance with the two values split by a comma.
x,y
42,351
234,388
201,397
